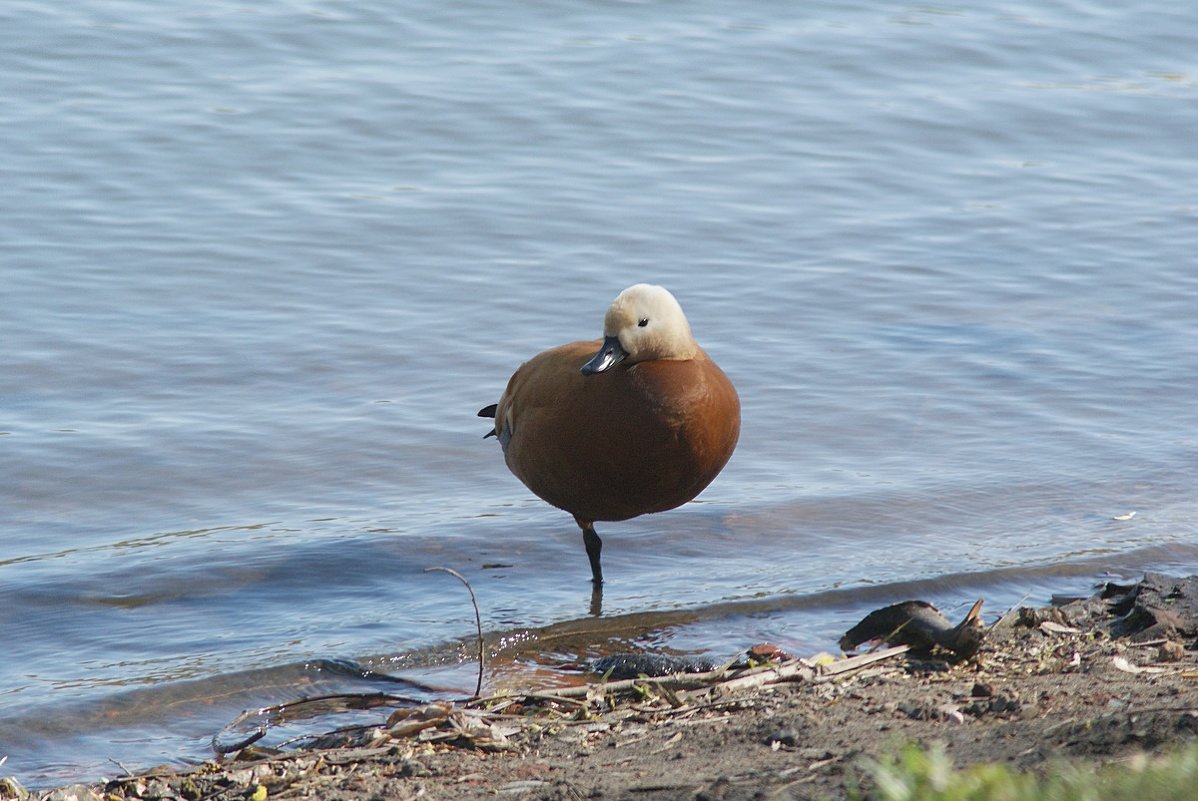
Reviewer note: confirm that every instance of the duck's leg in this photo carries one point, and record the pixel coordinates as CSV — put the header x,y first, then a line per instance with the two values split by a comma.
x,y
593,545
596,608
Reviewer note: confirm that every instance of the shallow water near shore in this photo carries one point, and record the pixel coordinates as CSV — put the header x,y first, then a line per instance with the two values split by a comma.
x,y
262,266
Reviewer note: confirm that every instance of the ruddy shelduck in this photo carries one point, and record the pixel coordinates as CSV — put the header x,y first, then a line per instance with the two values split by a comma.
x,y
640,421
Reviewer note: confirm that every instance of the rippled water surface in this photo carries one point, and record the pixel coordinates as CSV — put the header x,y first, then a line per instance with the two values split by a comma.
x,y
262,264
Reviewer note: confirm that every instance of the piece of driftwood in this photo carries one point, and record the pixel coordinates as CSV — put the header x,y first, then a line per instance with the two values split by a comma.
x,y
1156,606
851,664
259,721
730,678
921,626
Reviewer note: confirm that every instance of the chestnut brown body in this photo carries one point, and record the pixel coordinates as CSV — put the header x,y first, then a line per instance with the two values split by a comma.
x,y
635,439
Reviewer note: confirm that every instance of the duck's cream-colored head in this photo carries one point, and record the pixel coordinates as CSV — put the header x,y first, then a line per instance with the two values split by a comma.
x,y
644,322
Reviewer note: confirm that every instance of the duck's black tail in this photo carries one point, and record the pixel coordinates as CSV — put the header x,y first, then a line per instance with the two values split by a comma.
x,y
488,411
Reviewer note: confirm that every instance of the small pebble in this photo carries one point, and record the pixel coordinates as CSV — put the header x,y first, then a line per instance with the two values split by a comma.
x,y
767,652
414,768
787,737
1004,704
1171,651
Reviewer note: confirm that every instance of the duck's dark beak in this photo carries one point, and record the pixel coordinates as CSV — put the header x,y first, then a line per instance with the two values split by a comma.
x,y
609,355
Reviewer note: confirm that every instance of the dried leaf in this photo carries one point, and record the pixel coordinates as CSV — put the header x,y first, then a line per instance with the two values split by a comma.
x,y
409,721
1127,667
951,712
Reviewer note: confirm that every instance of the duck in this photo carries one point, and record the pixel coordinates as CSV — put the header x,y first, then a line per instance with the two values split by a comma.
x,y
638,422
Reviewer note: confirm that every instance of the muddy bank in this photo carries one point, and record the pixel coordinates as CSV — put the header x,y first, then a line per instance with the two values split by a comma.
x,y
1094,679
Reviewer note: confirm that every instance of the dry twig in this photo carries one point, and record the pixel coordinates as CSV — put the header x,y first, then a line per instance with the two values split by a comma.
x,y
478,622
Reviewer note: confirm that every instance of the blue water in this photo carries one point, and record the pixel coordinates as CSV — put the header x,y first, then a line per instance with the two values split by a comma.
x,y
262,263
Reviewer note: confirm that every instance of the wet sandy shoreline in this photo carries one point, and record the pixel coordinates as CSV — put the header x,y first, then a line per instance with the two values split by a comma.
x,y
1097,680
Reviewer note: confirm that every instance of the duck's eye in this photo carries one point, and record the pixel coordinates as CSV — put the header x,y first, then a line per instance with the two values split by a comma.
x,y
644,321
